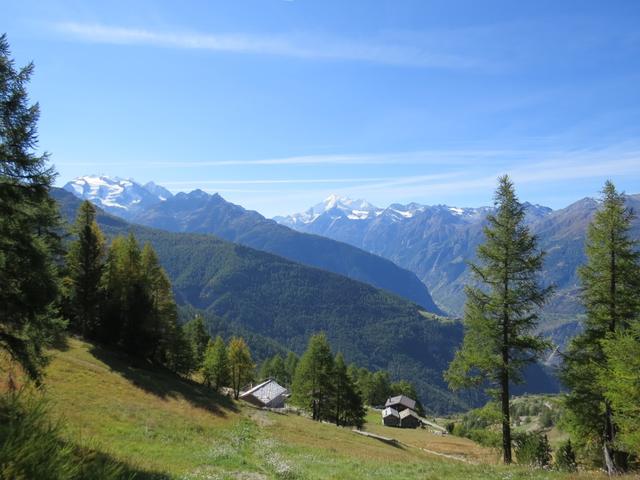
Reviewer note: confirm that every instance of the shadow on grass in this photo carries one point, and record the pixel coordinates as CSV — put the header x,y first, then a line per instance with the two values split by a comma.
x,y
162,382
99,464
392,442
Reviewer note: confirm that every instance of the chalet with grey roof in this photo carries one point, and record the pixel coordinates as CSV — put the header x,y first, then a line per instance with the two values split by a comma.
x,y
400,412
409,419
400,403
390,417
268,394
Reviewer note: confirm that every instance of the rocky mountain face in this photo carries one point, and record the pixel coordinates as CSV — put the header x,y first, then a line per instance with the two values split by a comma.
x,y
119,196
436,242
200,212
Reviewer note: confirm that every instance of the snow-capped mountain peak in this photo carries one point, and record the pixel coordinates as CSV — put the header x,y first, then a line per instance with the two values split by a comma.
x,y
336,208
344,204
122,196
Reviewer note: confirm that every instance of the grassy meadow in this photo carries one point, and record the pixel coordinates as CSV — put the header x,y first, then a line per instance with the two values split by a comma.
x,y
164,427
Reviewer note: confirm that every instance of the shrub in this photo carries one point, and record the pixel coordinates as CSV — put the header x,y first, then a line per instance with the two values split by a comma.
x,y
546,418
450,427
533,449
565,459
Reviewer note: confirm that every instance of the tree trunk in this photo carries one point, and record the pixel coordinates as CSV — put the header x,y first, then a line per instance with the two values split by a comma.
x,y
506,419
609,428
504,377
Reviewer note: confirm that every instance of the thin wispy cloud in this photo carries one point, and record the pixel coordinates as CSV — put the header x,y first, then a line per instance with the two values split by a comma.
x,y
280,181
294,45
423,157
540,170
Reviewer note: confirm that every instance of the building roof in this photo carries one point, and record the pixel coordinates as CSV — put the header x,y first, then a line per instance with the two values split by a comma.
x,y
408,413
265,392
401,400
390,412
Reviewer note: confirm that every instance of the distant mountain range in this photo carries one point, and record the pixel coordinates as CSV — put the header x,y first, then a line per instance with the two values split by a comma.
x,y
436,242
276,304
400,248
199,212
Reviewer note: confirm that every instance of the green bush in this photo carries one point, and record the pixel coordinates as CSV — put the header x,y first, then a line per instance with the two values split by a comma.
x,y
565,458
532,449
30,445
547,419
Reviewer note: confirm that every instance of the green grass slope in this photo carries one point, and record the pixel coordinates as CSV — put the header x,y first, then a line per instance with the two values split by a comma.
x,y
164,427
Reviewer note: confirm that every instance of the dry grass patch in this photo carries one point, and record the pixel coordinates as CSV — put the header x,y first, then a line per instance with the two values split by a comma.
x,y
423,438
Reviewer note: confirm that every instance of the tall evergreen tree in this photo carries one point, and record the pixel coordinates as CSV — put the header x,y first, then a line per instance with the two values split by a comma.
x,y
162,323
376,386
312,386
85,264
347,401
240,364
128,304
501,314
610,285
29,286
181,358
199,338
274,367
215,367
290,364
621,384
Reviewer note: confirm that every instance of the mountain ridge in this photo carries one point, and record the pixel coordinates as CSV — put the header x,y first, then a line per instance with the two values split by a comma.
x,y
200,212
437,242
275,298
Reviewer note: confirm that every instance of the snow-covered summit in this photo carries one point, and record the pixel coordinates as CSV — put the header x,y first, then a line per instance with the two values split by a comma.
x,y
334,206
121,196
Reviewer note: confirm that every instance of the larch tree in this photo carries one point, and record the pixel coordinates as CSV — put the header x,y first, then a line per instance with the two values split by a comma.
x,y
377,387
347,401
181,358
85,265
610,284
501,313
240,364
196,332
274,367
128,305
162,320
621,384
29,244
290,365
312,386
215,367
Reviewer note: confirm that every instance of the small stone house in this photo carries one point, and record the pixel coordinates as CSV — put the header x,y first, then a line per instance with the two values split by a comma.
x,y
400,403
400,412
268,394
409,419
390,417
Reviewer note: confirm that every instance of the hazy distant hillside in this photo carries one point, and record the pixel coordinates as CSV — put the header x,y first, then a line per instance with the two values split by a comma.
x,y
435,242
199,212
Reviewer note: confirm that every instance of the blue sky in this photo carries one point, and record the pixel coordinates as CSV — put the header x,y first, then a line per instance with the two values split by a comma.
x,y
276,104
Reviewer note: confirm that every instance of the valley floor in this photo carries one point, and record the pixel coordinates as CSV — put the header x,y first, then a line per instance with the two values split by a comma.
x,y
163,427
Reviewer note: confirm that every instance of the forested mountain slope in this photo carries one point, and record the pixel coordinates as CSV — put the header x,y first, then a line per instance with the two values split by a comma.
x,y
286,302
199,212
